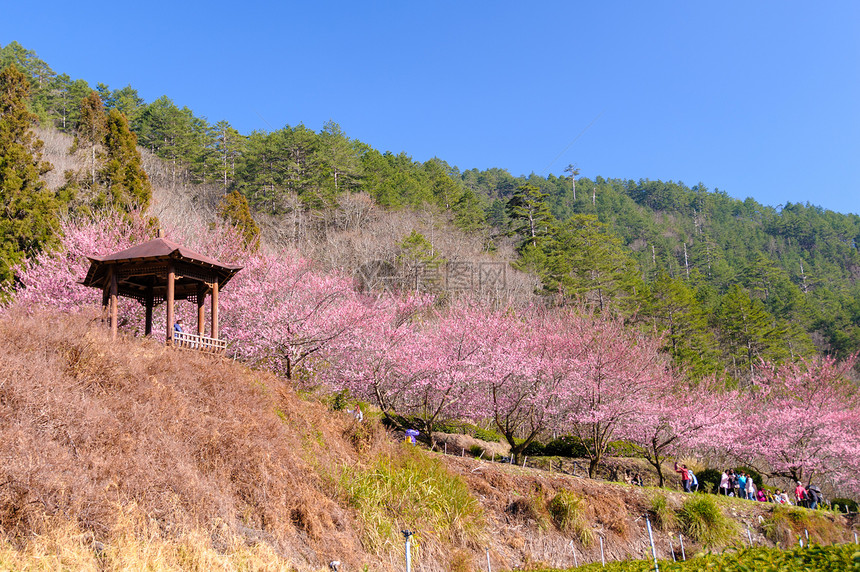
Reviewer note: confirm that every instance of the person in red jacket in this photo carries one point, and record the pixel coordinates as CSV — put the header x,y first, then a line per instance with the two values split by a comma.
x,y
685,476
800,494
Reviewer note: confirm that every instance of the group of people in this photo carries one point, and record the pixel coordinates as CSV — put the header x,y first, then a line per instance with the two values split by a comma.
x,y
743,486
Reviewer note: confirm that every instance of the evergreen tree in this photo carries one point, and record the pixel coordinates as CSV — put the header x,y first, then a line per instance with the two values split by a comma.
x,y
530,216
91,129
28,210
585,260
234,209
125,182
672,309
748,332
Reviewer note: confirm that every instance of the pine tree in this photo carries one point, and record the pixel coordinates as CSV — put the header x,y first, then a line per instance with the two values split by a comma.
x,y
584,259
122,176
234,209
28,210
530,215
91,129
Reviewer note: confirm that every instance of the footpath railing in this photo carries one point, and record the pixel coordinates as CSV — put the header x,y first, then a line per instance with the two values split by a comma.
x,y
187,341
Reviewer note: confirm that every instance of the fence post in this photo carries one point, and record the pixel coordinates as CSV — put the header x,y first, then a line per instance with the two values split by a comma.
x,y
602,558
672,549
576,565
488,561
684,556
651,539
749,535
407,534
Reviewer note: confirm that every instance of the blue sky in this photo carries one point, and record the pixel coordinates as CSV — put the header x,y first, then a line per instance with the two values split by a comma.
x,y
758,99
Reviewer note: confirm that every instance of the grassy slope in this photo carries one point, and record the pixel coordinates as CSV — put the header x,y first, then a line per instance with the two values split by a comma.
x,y
128,454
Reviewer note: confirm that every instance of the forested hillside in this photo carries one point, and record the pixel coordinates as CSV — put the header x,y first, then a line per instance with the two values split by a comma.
x,y
728,282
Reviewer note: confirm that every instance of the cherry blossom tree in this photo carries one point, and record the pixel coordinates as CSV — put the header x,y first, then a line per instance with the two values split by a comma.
x,y
800,420
617,371
678,417
526,373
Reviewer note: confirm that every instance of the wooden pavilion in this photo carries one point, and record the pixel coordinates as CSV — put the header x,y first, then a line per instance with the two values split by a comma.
x,y
159,271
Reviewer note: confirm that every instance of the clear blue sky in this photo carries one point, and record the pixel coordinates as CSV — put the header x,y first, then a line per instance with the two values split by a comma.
x,y
756,98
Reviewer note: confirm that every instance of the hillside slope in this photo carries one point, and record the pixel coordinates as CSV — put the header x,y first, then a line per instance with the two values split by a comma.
x,y
129,454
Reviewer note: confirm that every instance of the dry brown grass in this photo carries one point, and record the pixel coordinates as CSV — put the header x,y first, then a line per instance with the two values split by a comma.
x,y
95,431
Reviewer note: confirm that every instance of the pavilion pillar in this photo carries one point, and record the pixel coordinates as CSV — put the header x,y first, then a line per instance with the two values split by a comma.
x,y
171,277
150,302
201,308
214,329
113,303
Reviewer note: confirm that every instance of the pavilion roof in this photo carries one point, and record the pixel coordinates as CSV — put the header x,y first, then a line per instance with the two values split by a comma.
x,y
155,251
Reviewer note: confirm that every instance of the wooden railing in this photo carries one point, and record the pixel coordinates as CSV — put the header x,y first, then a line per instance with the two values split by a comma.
x,y
188,341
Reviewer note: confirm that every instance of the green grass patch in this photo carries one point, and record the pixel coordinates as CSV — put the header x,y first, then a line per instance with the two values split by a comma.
x,y
411,490
568,514
704,521
665,517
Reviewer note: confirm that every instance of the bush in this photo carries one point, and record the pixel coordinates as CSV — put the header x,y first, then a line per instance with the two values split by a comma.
x,y
476,450
568,515
712,477
665,517
564,446
624,449
534,449
843,502
486,435
415,486
339,401
703,521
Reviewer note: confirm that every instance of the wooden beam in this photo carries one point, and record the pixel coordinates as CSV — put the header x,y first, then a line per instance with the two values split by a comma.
x,y
113,304
201,308
170,291
214,329
150,302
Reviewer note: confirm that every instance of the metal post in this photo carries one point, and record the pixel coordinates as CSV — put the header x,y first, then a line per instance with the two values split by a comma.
x,y
672,549
524,461
800,541
651,539
576,564
408,534
488,561
602,558
683,556
749,536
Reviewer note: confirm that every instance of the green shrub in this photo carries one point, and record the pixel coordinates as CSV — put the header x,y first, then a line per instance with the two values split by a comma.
x,y
624,449
476,450
568,514
703,521
712,477
565,446
843,502
665,517
410,490
486,435
534,449
339,401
